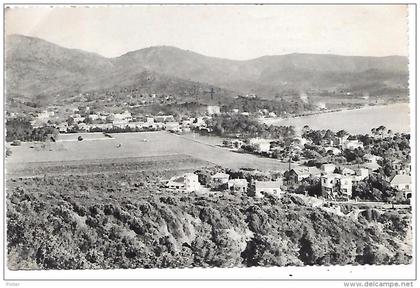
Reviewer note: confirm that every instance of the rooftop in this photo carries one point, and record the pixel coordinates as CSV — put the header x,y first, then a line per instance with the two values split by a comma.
x,y
401,179
268,184
220,175
306,170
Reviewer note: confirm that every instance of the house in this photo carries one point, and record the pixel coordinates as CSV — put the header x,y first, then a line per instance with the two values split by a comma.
x,y
334,150
186,123
401,167
300,142
94,117
262,145
397,165
296,175
351,144
172,126
327,142
134,125
199,122
361,174
83,126
106,126
328,184
321,105
369,158
268,187
402,183
45,115
120,118
212,110
78,119
63,127
346,185
233,143
220,178
338,141
240,185
328,168
187,182
164,118
371,166
347,171
333,185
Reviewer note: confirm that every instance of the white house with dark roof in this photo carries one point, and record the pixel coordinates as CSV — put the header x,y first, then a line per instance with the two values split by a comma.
x,y
240,185
186,183
220,178
297,174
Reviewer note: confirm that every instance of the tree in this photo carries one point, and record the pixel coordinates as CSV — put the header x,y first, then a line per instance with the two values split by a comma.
x,y
70,121
18,129
88,120
342,133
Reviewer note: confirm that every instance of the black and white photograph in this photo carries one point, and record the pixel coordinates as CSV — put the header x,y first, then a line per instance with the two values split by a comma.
x,y
188,137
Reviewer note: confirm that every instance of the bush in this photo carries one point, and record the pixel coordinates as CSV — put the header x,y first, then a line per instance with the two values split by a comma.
x,y
16,143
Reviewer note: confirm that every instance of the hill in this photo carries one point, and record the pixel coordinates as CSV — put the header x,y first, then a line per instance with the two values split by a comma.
x,y
270,74
39,69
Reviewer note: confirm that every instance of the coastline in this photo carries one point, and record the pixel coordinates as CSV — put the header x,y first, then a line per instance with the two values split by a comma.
x,y
354,120
338,110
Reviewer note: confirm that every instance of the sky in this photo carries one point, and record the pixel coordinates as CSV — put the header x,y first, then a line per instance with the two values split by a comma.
x,y
226,31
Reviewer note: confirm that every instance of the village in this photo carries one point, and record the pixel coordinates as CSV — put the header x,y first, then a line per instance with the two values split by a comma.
x,y
330,164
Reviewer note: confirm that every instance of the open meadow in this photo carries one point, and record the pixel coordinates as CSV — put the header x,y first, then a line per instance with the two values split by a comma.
x,y
96,146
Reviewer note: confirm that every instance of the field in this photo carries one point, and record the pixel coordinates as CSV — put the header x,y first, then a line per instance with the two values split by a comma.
x,y
96,146
106,166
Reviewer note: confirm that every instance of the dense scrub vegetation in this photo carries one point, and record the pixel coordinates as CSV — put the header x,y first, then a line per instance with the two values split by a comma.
x,y
21,129
130,221
280,106
245,126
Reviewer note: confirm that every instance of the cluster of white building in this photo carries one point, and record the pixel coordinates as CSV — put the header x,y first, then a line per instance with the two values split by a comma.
x,y
336,145
125,119
189,183
336,183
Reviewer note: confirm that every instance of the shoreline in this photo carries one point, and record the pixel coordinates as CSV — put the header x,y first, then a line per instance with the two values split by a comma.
x,y
312,113
355,121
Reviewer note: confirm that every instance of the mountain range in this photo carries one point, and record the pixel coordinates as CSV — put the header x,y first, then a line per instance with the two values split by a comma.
x,y
37,67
